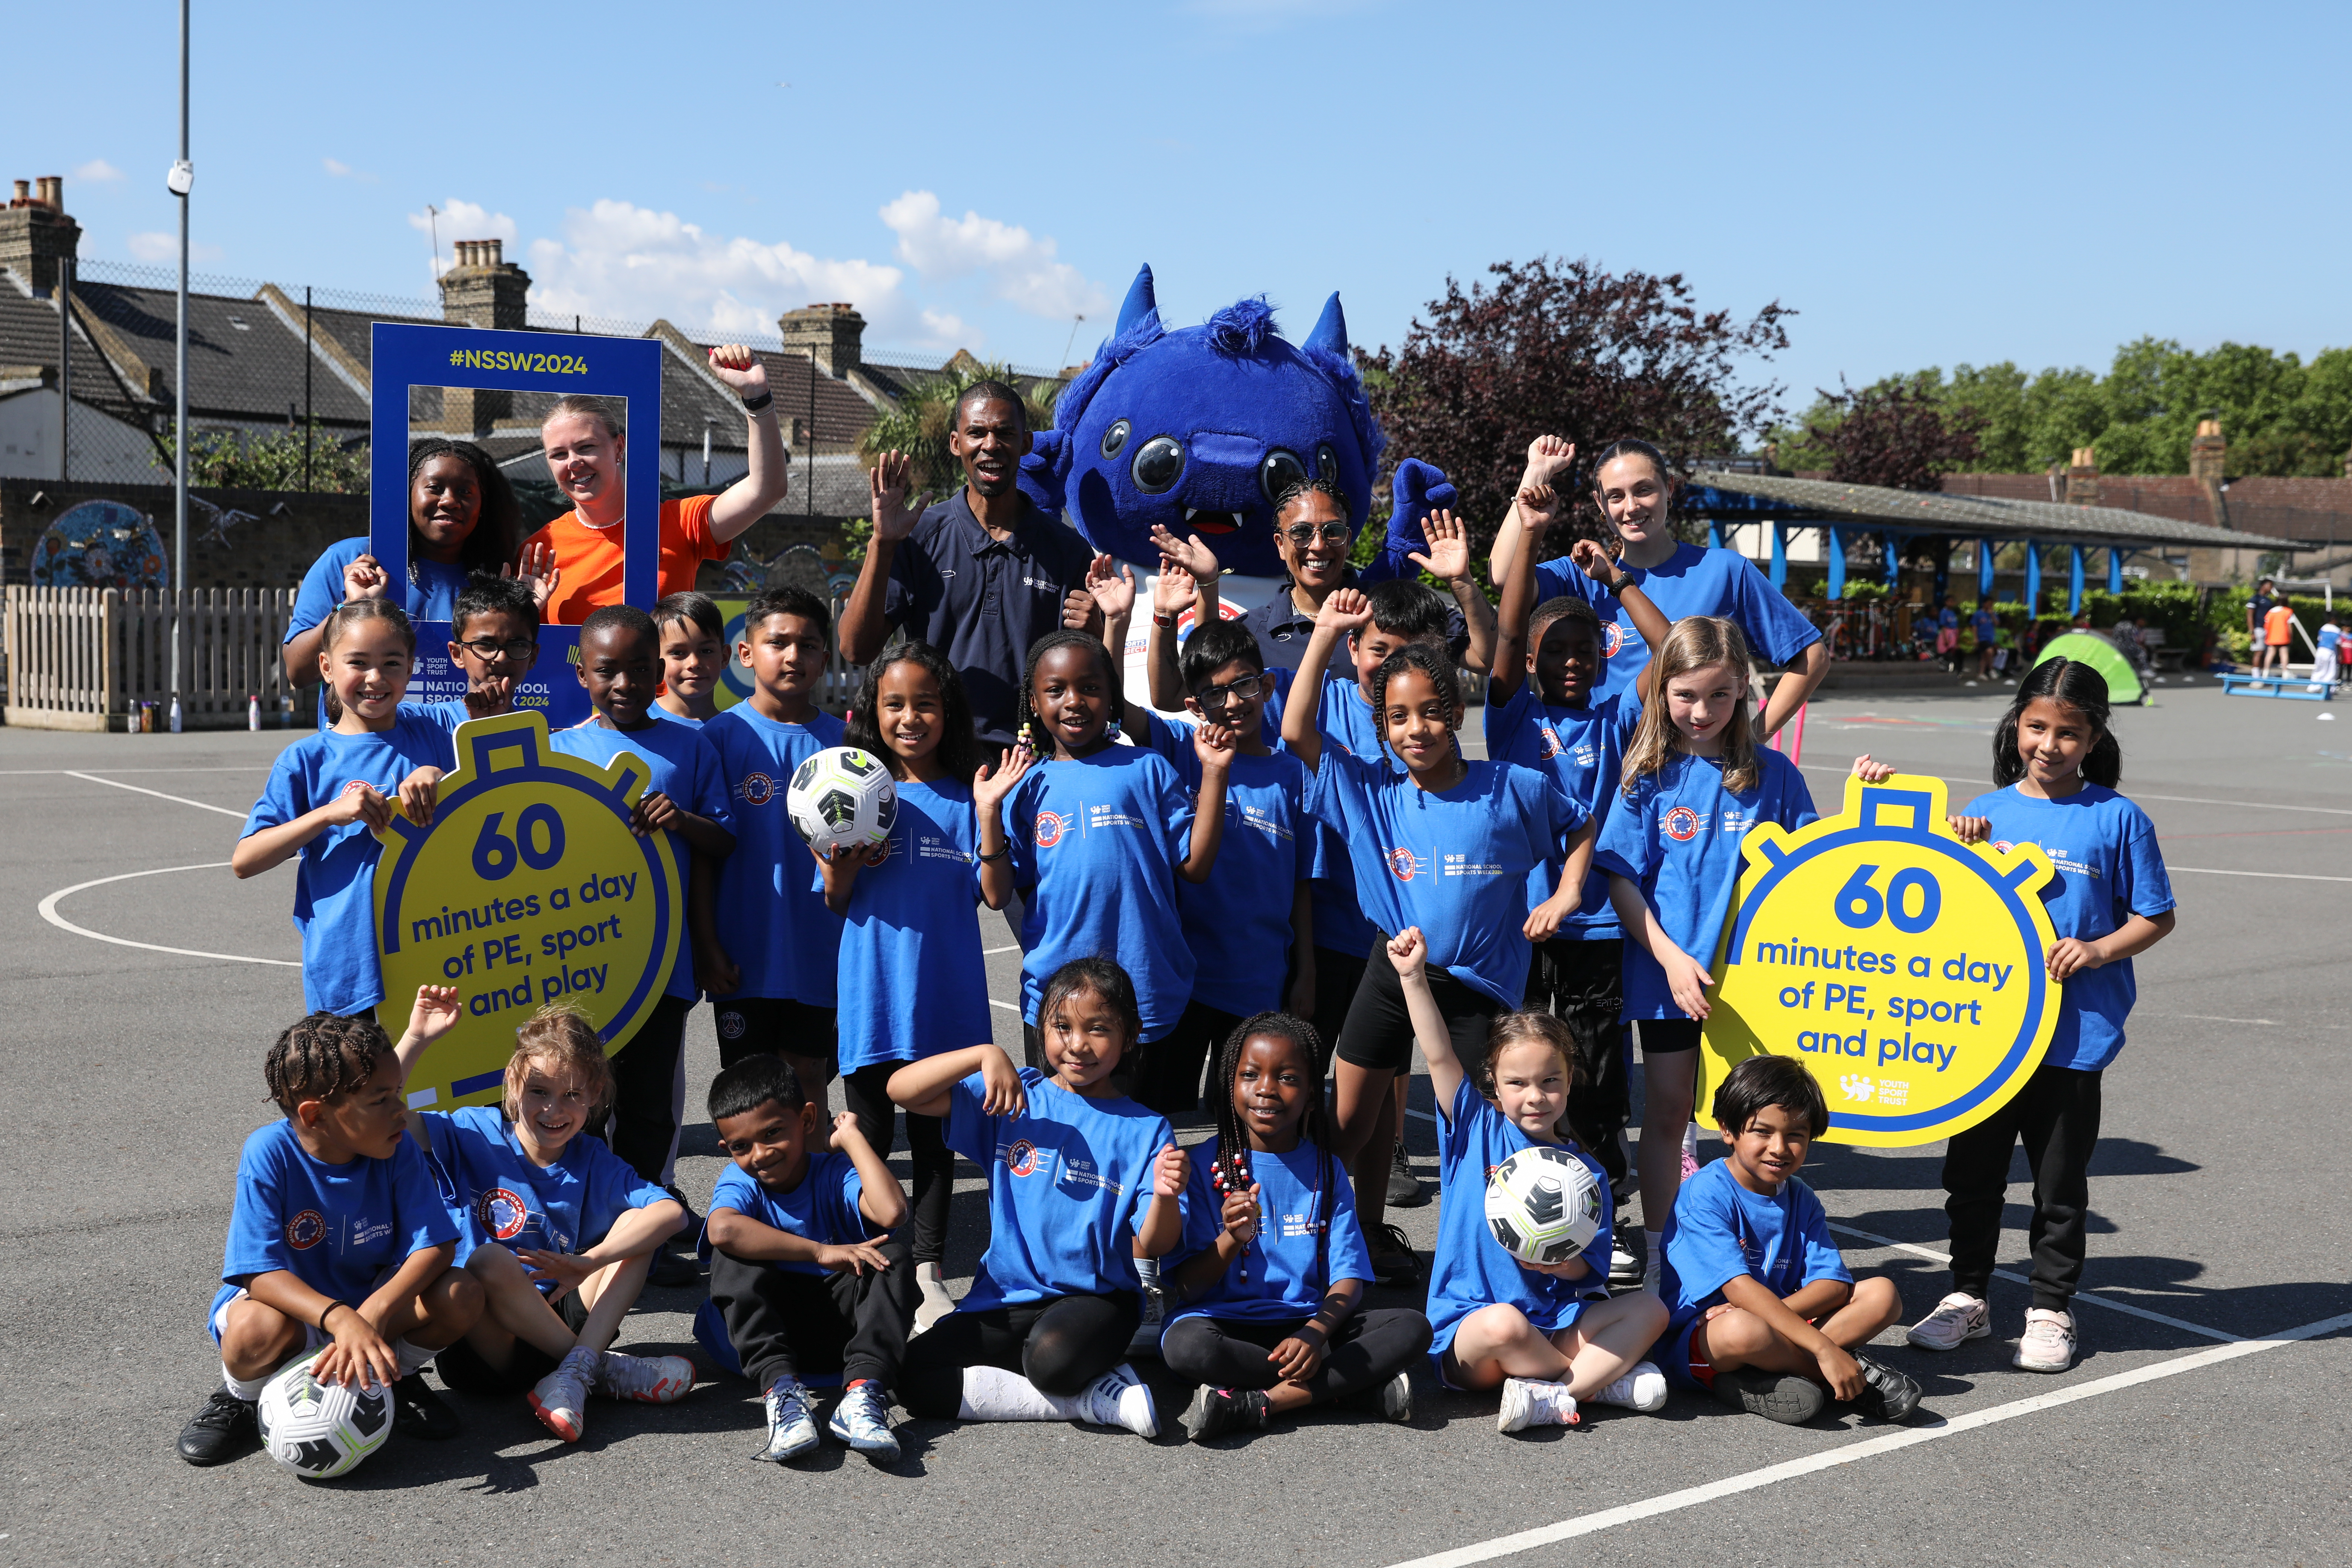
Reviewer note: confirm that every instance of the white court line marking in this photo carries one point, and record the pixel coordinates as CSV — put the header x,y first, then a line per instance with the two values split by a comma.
x,y
159,794
49,912
2276,876
2093,1296
992,952
2134,794
1852,1452
1006,1005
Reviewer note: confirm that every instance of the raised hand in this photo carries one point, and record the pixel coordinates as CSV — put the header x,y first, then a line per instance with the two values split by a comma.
x,y
1169,1172
991,786
536,566
1187,552
887,482
1213,745
1549,457
364,579
1346,610
1111,584
485,696
1448,556
1538,508
1596,562
436,1012
1241,1213
1173,591
1409,951
740,368
1001,1090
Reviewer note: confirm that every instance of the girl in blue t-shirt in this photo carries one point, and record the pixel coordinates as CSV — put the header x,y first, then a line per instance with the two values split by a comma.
x,y
1081,1182
329,789
1694,783
1546,1335
1269,1321
557,1228
912,980
1101,831
2109,900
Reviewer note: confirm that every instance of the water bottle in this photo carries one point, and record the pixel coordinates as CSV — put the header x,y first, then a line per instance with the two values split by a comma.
x,y
253,712
175,715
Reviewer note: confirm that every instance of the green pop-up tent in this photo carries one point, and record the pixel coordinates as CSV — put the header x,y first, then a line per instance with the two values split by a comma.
x,y
2098,651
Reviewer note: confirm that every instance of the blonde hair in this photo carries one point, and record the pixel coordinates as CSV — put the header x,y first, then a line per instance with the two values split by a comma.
x,y
1695,643
563,1037
598,408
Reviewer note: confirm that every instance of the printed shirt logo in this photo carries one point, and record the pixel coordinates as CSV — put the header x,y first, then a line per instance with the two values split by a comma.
x,y
1550,747
730,1024
356,785
1682,824
881,853
306,1230
758,789
1403,862
1049,829
502,1213
1612,637
1022,1158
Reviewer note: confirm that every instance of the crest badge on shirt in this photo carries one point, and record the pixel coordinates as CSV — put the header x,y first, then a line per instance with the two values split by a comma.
x,y
1049,829
502,1213
1403,863
306,1230
1022,1158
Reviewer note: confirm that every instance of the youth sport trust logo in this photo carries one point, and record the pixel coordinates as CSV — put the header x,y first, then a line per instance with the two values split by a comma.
x,y
306,1230
1682,824
502,1213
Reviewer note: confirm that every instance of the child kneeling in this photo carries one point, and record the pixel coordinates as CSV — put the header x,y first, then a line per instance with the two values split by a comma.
x,y
804,1275
1763,1310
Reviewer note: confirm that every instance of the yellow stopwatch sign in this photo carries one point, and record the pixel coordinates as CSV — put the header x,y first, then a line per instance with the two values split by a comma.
x,y
1902,967
527,889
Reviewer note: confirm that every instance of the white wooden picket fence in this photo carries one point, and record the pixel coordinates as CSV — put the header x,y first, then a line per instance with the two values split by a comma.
x,y
88,659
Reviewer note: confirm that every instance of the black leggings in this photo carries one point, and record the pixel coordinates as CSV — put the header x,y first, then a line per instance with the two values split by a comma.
x,y
644,1072
2056,1117
1061,1346
1366,1350
1168,1080
1577,983
865,1092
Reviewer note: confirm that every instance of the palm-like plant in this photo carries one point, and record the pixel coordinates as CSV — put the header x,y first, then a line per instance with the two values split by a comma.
x,y
920,423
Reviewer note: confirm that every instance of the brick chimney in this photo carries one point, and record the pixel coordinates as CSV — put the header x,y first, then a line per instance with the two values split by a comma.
x,y
2083,478
2207,451
36,235
483,289
832,334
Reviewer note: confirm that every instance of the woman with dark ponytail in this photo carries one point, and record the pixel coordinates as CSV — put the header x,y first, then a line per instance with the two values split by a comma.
x,y
2109,900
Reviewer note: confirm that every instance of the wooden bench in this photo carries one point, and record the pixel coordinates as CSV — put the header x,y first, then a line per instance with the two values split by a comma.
x,y
2303,690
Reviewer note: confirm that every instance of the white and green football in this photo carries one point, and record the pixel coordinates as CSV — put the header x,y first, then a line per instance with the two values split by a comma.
x,y
318,1430
840,797
1543,1205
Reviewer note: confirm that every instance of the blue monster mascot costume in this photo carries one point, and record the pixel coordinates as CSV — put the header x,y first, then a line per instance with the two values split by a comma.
x,y
1197,429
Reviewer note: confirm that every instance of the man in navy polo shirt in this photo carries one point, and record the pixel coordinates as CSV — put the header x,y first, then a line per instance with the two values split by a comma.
x,y
980,576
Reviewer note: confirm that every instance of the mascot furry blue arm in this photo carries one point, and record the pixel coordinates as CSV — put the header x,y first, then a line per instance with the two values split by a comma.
x,y
1198,428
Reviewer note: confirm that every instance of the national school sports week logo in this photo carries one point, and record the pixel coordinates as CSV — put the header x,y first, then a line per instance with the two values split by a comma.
x,y
306,1230
757,789
1021,1159
1682,824
502,1213
1403,863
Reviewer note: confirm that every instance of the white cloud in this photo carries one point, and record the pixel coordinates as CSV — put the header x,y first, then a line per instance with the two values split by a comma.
x,y
99,171
344,171
1020,267
165,250
459,219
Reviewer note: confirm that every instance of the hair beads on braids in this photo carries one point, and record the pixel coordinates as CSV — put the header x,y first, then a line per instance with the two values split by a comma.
x,y
1434,663
322,1057
1066,636
1230,1171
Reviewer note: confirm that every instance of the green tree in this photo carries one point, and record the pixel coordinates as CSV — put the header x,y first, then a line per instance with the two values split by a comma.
x,y
268,460
920,423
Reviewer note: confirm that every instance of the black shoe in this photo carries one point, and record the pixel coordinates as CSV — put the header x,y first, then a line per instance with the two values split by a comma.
x,y
688,1236
1886,1393
417,1411
671,1270
1629,1259
1404,1187
1394,1262
1775,1395
1216,1411
221,1431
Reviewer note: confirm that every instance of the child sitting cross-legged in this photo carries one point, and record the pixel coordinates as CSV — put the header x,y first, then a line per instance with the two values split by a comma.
x,y
804,1274
1763,1312
557,1228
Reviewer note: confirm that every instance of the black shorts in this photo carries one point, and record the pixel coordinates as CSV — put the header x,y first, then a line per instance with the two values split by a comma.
x,y
1665,1036
1378,1035
461,1366
753,1025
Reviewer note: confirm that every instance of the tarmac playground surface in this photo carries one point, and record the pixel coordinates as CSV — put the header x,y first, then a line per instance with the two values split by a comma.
x,y
2206,1422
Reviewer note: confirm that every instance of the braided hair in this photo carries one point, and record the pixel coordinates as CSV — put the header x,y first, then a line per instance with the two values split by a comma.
x,y
322,1057
1432,661
1062,637
1230,1170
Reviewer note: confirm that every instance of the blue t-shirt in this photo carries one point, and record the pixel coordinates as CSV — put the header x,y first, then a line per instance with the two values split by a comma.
x,y
1237,924
1343,718
334,873
822,1208
680,765
783,940
1470,1269
1286,1278
663,714
495,1194
2108,867
1985,626
1455,863
1068,1181
1583,749
430,594
1678,835
913,982
1719,1230
1697,581
2328,637
1095,844
334,1228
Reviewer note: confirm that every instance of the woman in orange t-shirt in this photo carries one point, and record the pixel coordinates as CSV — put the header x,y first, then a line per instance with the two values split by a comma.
x,y
583,439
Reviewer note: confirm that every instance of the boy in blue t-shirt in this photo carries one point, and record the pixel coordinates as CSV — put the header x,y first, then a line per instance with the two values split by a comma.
x,y
494,638
804,1273
338,1238
1761,1310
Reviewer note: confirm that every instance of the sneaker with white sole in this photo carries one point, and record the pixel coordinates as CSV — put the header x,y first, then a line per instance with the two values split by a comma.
x,y
647,1379
862,1420
1643,1389
1957,1319
561,1399
1145,1341
792,1430
2049,1341
1118,1398
1396,1397
1531,1402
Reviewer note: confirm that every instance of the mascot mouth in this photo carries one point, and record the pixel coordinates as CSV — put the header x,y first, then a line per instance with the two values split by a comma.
x,y
1212,521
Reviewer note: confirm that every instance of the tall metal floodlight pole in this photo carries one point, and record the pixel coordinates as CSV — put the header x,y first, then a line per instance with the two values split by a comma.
x,y
181,180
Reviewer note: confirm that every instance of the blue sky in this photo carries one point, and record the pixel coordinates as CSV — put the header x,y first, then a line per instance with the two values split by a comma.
x,y
1924,185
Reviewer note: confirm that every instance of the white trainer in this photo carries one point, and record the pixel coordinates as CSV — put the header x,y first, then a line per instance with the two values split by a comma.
x,y
1120,1398
561,1399
647,1379
936,1303
1643,1389
2049,1341
1957,1319
1530,1402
